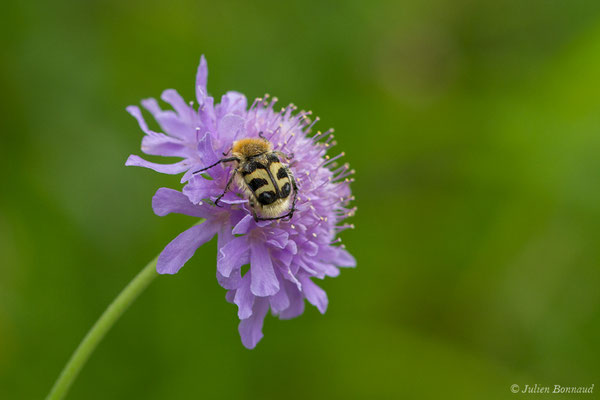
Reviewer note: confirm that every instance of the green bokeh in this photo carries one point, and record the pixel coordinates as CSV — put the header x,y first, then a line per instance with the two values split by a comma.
x,y
474,128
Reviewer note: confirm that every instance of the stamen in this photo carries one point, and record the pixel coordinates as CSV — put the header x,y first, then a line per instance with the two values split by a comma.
x,y
256,100
309,127
330,160
343,168
297,121
344,175
319,135
341,228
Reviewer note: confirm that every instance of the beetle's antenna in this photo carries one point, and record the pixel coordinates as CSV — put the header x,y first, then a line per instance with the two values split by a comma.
x,y
218,162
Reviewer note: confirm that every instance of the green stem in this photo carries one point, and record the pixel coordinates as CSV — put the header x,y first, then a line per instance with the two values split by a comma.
x,y
95,335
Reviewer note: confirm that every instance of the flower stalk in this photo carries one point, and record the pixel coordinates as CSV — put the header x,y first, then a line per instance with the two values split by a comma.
x,y
100,328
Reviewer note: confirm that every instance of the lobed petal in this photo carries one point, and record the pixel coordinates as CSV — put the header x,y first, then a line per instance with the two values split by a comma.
x,y
279,301
263,279
244,298
233,255
251,328
169,121
206,153
337,256
314,294
159,144
171,169
231,103
199,189
296,300
201,80
137,114
229,127
244,225
184,111
183,247
232,282
166,201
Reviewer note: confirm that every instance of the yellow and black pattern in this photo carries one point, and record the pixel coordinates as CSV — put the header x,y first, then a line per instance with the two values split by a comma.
x,y
267,178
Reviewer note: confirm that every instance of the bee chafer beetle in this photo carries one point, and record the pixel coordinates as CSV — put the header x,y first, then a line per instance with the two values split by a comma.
x,y
266,181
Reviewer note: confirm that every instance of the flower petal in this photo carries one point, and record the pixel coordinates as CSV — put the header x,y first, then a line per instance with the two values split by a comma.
x,y
207,154
278,238
251,328
201,79
279,301
232,282
244,298
296,299
337,256
159,144
244,225
229,295
199,189
229,127
166,201
264,282
169,121
184,111
310,248
171,169
137,114
190,173
314,294
183,247
283,256
344,259
233,255
289,275
232,102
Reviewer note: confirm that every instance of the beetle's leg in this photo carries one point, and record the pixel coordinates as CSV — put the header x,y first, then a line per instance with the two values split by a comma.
x,y
235,171
295,187
283,155
256,219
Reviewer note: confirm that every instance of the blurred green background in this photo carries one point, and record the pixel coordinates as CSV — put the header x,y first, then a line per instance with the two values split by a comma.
x,y
474,128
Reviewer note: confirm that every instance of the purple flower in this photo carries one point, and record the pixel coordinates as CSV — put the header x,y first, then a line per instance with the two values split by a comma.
x,y
284,255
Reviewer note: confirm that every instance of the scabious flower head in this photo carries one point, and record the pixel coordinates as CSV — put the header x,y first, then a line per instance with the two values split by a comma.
x,y
284,255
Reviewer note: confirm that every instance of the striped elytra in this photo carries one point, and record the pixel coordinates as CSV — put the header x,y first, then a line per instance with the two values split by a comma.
x,y
268,180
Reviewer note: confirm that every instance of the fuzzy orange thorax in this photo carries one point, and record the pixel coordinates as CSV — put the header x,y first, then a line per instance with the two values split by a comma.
x,y
250,147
